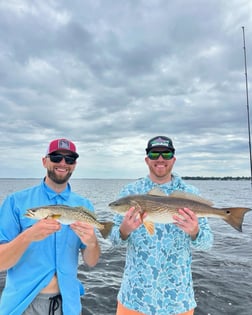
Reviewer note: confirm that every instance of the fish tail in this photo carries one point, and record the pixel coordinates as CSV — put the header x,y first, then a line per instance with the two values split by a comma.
x,y
107,226
235,216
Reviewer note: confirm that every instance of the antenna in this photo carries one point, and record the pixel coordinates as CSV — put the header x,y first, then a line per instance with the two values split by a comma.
x,y
247,98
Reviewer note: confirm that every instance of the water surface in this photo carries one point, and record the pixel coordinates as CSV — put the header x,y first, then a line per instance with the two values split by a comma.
x,y
222,277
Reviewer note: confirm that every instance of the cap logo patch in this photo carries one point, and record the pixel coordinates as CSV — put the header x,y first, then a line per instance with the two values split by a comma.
x,y
64,144
160,142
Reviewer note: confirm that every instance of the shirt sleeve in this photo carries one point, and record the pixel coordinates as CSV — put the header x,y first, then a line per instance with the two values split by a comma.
x,y
204,239
115,236
8,218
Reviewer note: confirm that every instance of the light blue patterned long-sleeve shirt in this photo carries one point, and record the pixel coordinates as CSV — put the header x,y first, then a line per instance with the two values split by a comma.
x,y
157,278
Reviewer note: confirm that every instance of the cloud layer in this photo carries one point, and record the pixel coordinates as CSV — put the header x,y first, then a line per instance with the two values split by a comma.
x,y
111,74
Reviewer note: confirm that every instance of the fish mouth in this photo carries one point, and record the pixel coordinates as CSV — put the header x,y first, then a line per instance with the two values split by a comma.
x,y
29,214
113,204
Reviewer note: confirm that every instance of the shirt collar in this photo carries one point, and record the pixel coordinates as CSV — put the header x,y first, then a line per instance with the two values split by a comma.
x,y
52,194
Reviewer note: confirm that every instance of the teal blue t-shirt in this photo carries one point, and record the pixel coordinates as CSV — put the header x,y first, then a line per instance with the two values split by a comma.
x,y
157,277
58,253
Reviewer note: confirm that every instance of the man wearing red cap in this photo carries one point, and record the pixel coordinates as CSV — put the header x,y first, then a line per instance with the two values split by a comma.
x,y
41,258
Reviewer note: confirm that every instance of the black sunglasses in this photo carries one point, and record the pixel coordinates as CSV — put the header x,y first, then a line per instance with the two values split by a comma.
x,y
168,155
56,158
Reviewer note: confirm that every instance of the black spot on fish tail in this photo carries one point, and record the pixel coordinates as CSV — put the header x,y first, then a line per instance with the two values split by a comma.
x,y
235,216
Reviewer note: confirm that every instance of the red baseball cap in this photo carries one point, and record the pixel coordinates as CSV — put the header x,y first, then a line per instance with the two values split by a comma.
x,y
62,144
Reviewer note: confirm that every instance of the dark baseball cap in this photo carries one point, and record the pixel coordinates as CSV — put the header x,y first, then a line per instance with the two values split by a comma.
x,y
160,141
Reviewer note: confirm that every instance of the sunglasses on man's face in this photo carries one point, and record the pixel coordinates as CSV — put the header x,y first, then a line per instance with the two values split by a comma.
x,y
168,155
56,158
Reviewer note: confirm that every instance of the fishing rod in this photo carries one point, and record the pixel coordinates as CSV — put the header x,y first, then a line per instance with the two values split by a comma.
x,y
247,99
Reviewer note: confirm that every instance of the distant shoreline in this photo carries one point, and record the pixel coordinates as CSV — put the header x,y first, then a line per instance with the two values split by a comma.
x,y
215,178
184,177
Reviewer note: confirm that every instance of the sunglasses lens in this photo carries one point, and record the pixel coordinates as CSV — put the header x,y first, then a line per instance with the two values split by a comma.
x,y
165,155
56,158
69,159
153,155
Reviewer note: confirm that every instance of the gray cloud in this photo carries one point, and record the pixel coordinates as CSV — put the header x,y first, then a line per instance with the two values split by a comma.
x,y
110,75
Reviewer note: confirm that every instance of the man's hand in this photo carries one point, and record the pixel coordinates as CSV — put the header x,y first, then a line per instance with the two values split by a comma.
x,y
85,232
132,220
187,221
42,229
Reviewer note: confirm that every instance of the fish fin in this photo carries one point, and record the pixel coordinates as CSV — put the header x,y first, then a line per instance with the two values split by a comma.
x,y
55,216
190,196
149,227
156,192
107,226
234,216
180,194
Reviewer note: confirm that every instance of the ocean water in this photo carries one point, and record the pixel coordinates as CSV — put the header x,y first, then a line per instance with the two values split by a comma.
x,y
222,277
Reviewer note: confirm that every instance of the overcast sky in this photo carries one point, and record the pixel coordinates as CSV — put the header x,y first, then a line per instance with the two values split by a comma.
x,y
111,74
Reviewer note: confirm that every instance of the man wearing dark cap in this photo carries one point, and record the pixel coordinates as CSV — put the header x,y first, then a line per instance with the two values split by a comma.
x,y
41,257
157,278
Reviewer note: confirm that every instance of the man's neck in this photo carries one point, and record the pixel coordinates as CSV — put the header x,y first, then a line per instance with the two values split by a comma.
x,y
161,180
54,186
